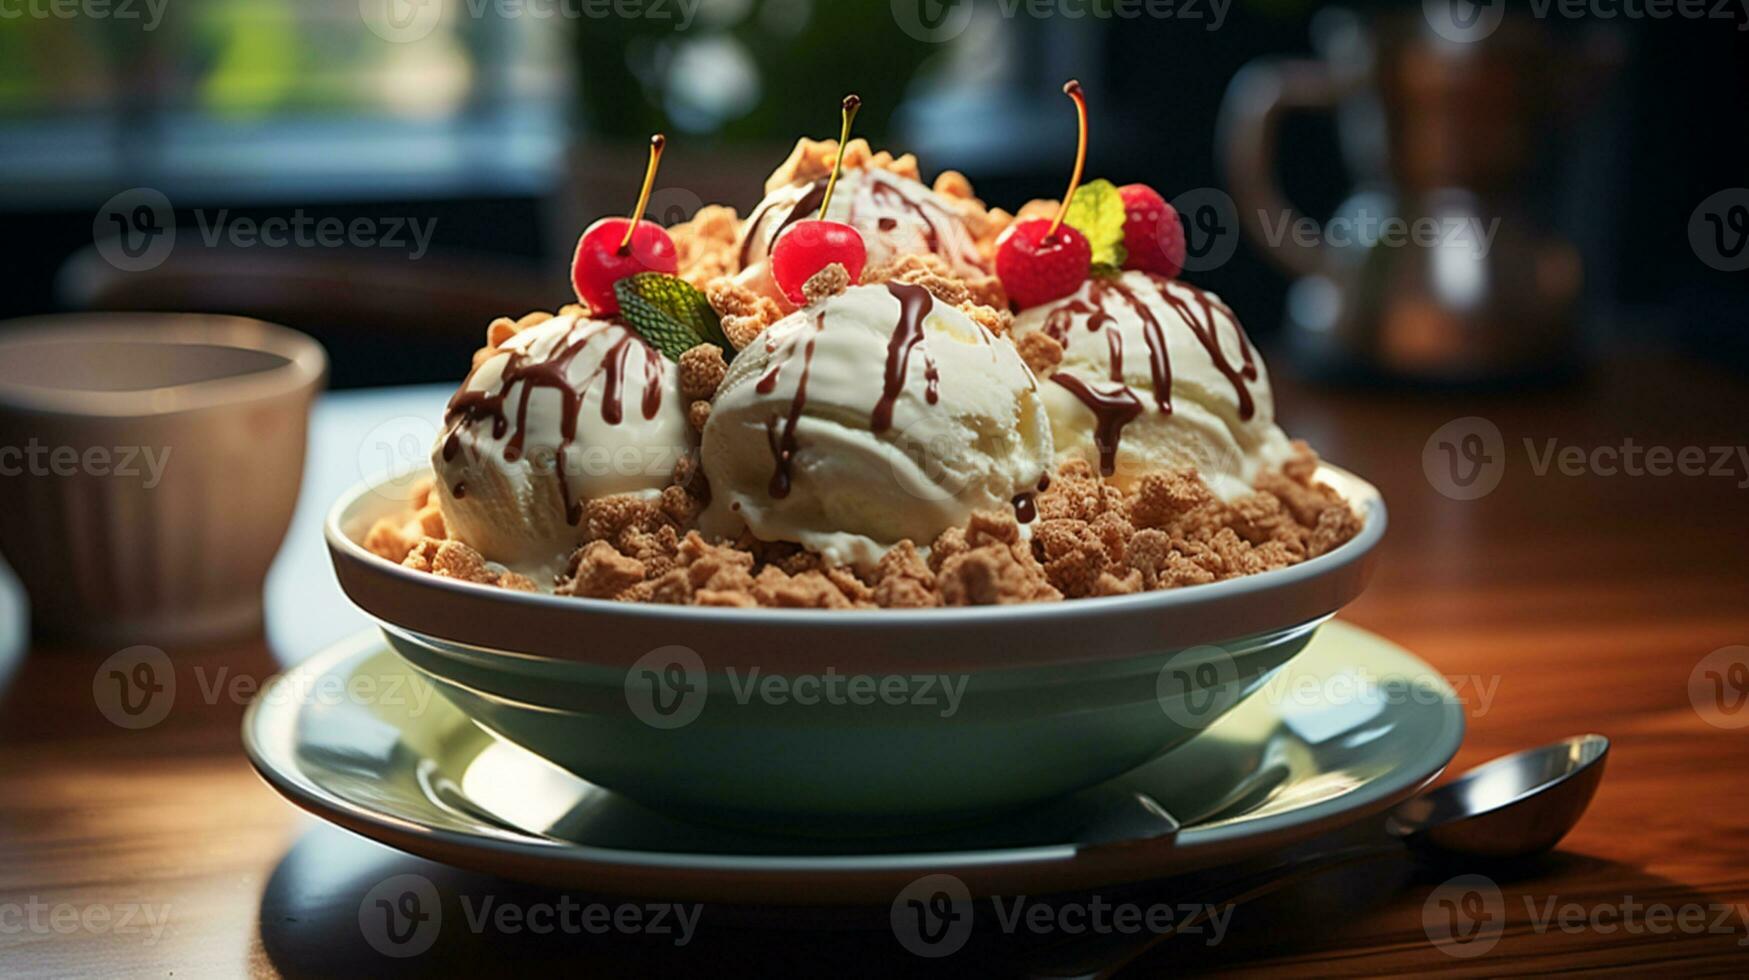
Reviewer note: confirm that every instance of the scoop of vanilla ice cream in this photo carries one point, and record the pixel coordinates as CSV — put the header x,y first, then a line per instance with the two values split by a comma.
x,y
874,416
896,215
1157,374
566,411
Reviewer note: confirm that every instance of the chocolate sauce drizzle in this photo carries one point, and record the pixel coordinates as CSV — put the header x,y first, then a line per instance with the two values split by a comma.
x,y
915,304
1112,410
783,446
877,189
551,371
1115,409
1205,331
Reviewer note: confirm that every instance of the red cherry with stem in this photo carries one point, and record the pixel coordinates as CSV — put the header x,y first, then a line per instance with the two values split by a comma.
x,y
809,246
614,248
1152,234
1037,265
1038,260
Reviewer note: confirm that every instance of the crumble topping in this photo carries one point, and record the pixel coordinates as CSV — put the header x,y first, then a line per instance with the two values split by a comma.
x,y
705,244
1089,539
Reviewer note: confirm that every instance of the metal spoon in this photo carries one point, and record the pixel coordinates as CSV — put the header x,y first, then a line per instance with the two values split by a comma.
x,y
1514,806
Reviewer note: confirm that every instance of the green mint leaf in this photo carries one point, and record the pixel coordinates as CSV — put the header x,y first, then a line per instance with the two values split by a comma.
x,y
1097,212
670,313
1103,270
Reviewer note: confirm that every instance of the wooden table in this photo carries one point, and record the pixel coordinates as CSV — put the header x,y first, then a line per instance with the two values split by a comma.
x,y
1573,603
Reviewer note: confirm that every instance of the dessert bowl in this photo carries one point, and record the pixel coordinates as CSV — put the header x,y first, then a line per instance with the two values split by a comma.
x,y
849,722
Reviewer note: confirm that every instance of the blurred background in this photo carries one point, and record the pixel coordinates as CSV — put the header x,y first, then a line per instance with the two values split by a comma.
x,y
467,142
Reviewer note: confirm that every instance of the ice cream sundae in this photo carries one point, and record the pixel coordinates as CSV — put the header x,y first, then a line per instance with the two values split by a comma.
x,y
870,392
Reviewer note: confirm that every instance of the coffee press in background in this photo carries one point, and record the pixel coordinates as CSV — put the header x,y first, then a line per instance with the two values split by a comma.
x,y
1440,265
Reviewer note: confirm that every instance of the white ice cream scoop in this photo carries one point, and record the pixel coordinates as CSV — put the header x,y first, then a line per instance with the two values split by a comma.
x,y
877,415
896,215
566,411
1157,374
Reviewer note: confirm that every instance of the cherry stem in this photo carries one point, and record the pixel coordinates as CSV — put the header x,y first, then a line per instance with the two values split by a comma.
x,y
658,143
1073,91
851,104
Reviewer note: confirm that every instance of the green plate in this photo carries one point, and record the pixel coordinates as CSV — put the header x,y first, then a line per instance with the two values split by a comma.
x,y
1348,728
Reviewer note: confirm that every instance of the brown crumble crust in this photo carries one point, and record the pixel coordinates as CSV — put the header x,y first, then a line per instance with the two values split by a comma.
x,y
1090,539
1041,352
702,369
826,283
705,244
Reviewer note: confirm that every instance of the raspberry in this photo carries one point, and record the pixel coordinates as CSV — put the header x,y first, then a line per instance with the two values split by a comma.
x,y
1152,233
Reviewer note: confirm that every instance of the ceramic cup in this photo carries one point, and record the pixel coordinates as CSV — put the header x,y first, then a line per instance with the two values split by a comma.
x,y
149,466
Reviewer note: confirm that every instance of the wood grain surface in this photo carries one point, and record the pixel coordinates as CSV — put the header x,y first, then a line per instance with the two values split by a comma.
x,y
1557,603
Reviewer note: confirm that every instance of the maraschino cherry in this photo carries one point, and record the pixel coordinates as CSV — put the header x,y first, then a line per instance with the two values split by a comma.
x,y
809,246
1153,237
1038,260
614,248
